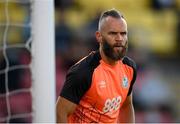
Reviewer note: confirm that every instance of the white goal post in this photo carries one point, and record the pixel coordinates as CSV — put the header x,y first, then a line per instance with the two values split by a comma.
x,y
43,61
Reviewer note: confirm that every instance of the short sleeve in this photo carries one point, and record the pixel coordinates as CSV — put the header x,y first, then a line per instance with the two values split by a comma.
x,y
75,86
79,78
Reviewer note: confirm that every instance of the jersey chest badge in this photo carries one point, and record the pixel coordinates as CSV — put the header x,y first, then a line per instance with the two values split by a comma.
x,y
125,82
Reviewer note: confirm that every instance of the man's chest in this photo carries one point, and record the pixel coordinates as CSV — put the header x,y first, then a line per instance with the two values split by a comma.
x,y
108,89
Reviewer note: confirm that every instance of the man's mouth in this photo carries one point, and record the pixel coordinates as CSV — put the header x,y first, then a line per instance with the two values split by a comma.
x,y
119,46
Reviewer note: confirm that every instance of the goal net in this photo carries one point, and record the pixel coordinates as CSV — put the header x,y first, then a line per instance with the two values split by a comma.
x,y
27,65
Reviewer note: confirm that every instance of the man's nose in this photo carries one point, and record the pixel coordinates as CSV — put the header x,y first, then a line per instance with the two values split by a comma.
x,y
119,37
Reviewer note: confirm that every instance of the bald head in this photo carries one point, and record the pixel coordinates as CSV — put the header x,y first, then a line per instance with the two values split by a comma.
x,y
109,13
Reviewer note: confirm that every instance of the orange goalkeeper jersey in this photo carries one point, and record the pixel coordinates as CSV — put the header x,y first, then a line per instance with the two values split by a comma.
x,y
98,89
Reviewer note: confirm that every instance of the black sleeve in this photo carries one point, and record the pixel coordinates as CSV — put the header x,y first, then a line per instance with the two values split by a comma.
x,y
79,78
132,64
133,80
75,85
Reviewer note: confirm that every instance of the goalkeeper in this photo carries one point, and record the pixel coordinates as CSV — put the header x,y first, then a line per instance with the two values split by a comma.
x,y
98,88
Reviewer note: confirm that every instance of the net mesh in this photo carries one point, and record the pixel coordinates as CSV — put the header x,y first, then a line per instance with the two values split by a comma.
x,y
15,61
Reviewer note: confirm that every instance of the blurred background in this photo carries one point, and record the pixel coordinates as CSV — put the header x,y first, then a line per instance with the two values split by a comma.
x,y
154,43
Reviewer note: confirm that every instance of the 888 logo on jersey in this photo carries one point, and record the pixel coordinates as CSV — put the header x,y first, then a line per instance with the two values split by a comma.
x,y
111,105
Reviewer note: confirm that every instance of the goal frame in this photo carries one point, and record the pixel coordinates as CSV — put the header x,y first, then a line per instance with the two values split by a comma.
x,y
43,61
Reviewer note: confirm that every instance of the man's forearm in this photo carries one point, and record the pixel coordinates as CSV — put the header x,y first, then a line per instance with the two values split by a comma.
x,y
63,109
61,118
127,114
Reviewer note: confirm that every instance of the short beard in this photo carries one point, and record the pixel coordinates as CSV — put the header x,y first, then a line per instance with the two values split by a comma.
x,y
109,51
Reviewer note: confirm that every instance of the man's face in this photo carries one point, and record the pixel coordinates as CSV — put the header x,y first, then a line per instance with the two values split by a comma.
x,y
115,51
114,41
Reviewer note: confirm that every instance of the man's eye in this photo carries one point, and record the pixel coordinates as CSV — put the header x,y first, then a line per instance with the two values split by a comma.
x,y
123,33
113,33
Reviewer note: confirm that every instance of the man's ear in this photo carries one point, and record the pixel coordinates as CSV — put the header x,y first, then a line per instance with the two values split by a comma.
x,y
98,37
